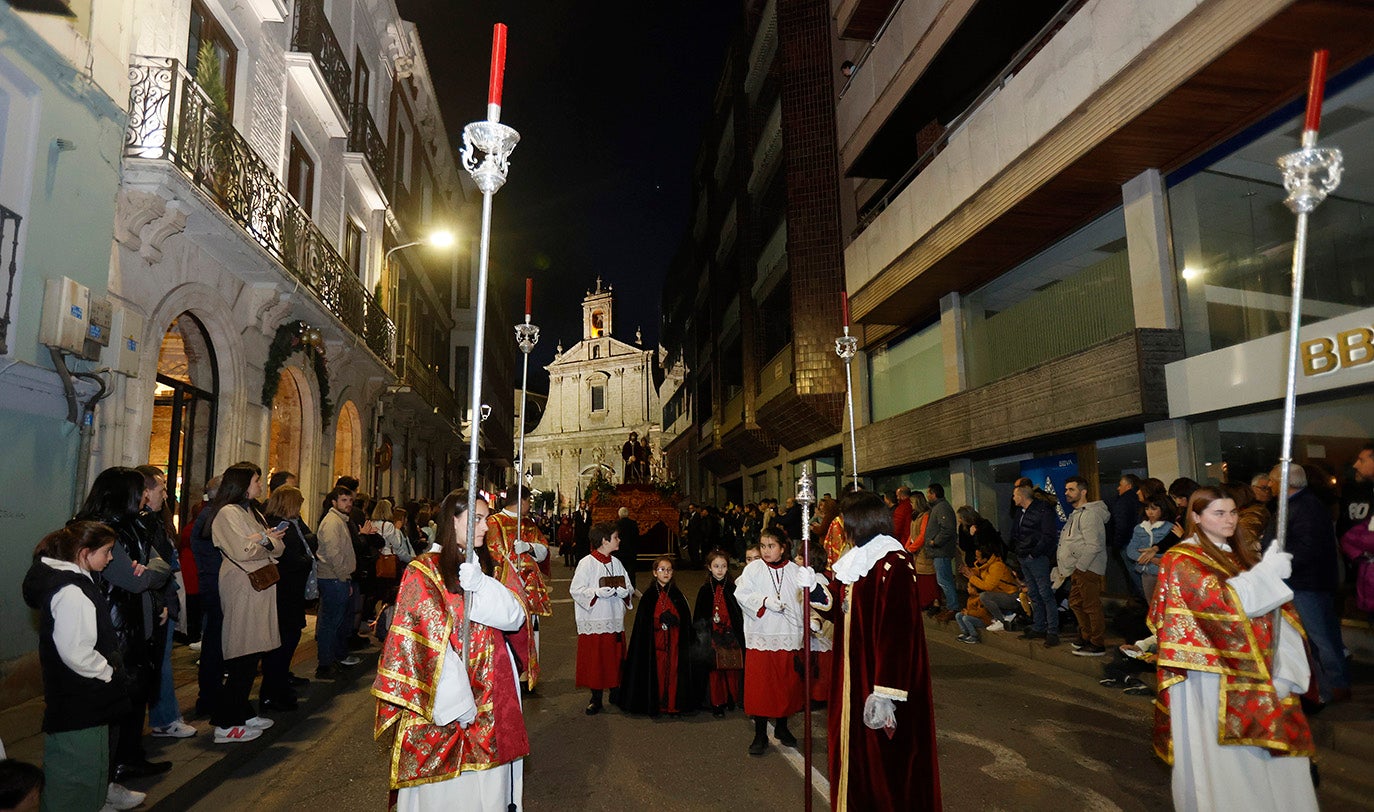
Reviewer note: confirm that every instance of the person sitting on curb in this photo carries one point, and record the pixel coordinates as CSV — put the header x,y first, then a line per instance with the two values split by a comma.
x,y
990,581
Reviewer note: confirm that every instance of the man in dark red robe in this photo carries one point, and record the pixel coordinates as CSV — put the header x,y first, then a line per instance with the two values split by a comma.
x,y
882,720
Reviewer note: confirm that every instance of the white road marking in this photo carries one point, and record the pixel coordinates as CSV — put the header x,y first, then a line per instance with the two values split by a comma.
x,y
819,781
1008,765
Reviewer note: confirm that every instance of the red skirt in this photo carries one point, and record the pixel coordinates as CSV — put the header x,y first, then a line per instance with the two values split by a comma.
x,y
598,660
724,687
772,686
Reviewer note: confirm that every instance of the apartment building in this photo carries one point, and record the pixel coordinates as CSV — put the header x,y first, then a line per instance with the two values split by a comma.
x,y
752,304
1066,245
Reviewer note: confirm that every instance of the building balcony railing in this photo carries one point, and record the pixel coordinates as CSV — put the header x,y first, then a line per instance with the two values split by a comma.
x,y
366,139
171,119
426,383
311,34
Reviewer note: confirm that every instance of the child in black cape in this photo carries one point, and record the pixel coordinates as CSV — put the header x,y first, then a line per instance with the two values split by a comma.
x,y
657,675
718,618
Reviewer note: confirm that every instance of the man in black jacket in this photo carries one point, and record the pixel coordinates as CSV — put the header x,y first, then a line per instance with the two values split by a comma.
x,y
1125,510
1035,537
1311,539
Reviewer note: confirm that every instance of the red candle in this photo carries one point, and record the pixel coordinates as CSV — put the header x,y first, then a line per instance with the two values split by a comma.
x,y
1316,86
844,306
529,295
498,63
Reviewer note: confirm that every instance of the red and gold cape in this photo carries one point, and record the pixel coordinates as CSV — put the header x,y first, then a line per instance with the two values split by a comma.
x,y
520,572
427,619
1201,626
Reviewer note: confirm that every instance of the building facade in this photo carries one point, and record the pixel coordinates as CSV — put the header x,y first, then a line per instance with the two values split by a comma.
x,y
600,390
271,174
1081,257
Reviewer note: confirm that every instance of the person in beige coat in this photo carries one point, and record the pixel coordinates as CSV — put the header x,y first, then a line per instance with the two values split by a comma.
x,y
250,615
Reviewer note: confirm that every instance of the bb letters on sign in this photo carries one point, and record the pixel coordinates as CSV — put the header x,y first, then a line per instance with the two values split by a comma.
x,y
1350,348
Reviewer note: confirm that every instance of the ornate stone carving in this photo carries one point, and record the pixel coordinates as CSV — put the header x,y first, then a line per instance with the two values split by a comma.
x,y
154,234
134,211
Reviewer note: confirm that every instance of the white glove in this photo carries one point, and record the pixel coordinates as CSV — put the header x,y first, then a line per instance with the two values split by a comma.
x,y
470,576
1276,563
522,547
467,717
773,604
605,592
880,713
815,625
806,578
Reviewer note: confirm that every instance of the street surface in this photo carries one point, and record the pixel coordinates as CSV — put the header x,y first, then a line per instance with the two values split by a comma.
x,y
1013,735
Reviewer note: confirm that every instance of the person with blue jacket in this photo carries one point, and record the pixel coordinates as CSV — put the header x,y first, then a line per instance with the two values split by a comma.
x,y
1146,539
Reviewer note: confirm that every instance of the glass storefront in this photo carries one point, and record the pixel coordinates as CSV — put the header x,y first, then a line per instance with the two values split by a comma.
x,y
1068,297
1233,237
906,373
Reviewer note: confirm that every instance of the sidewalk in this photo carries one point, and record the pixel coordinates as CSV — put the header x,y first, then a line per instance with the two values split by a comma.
x,y
198,764
1344,734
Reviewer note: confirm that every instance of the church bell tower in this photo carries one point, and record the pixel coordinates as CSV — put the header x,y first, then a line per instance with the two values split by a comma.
x,y
596,312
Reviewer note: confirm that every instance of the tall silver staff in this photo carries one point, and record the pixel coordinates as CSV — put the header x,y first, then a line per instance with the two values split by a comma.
x,y
1309,175
526,336
845,347
806,496
495,141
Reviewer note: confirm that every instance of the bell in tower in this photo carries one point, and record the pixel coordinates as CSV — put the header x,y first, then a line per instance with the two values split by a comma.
x,y
596,312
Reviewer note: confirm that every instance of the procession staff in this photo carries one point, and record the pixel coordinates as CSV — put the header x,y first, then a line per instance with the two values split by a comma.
x,y
517,566
459,732
882,720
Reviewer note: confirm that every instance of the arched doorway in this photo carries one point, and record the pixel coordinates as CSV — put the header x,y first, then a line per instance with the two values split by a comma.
x,y
182,441
288,425
348,442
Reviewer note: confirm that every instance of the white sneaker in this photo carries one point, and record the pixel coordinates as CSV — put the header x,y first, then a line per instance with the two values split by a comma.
x,y
119,796
259,723
194,646
996,626
350,660
238,733
176,730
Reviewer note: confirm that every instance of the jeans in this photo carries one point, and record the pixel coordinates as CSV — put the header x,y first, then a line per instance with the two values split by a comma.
x,y
165,710
944,576
1317,610
1044,612
969,624
330,628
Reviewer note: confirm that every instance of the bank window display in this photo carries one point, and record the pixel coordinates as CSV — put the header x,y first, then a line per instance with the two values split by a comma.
x,y
1066,298
906,373
1233,237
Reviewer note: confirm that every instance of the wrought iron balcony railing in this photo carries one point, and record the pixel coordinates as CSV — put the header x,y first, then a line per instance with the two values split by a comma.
x,y
426,383
312,35
364,137
171,119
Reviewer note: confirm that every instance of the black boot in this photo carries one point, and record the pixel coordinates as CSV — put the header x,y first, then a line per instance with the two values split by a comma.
x,y
760,743
783,735
594,706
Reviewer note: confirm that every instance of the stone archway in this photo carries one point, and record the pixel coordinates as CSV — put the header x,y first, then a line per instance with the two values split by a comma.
x,y
348,442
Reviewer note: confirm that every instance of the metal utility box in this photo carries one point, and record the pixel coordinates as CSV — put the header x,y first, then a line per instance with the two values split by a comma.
x,y
65,317
126,334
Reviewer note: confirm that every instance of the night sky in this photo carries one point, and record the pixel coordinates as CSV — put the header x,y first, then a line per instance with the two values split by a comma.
x,y
610,106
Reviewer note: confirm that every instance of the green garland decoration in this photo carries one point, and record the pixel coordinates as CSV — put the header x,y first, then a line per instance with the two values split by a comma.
x,y
293,337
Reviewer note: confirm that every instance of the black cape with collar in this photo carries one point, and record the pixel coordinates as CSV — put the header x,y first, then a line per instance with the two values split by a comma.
x,y
701,615
638,691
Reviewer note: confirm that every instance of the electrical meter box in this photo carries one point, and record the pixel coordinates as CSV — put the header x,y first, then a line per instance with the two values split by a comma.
x,y
65,317
126,332
97,328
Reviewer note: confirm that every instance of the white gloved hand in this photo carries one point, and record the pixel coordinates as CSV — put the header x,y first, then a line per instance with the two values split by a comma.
x,y
467,717
773,604
815,625
806,578
470,576
880,713
522,547
605,592
1276,563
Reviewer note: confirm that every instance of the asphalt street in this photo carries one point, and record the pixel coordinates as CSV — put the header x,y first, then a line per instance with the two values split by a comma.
x,y
1013,735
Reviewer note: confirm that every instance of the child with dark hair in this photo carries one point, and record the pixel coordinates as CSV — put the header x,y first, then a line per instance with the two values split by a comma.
x,y
601,595
657,676
1146,540
21,784
717,613
79,653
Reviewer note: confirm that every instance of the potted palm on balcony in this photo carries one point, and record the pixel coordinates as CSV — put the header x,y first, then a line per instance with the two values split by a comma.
x,y
216,125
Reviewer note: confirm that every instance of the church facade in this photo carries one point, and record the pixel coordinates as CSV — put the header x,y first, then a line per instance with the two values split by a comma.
x,y
600,390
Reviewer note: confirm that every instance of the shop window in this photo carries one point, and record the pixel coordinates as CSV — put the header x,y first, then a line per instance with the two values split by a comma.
x,y
1066,298
906,373
1233,237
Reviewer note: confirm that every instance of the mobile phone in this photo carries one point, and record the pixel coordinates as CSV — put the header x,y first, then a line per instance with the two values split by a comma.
x,y
282,525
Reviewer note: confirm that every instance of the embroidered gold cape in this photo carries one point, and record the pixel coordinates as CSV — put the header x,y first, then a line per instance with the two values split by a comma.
x,y
1201,626
520,572
835,544
427,618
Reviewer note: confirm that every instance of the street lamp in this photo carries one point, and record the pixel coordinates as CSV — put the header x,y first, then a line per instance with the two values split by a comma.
x,y
442,238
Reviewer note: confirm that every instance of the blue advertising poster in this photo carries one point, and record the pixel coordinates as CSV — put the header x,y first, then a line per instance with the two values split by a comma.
x,y
1049,474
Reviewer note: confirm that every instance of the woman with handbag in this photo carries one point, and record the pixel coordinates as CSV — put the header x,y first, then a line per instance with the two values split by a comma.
x,y
284,506
248,594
